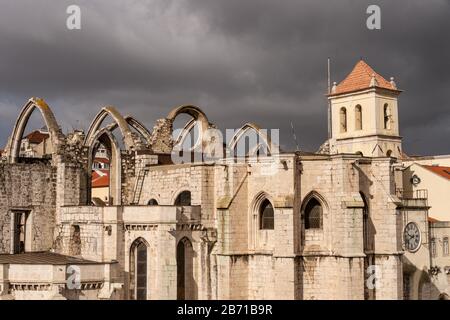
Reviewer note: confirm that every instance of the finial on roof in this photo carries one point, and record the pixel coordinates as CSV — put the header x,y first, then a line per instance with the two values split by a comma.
x,y
333,89
373,81
393,84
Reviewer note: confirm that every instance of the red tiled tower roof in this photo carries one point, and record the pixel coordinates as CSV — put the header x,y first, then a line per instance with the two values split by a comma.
x,y
363,77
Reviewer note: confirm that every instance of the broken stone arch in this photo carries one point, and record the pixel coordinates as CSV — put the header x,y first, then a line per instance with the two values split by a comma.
x,y
105,137
118,119
138,126
198,116
239,134
56,136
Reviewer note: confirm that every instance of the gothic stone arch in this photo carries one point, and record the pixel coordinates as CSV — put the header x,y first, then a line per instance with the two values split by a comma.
x,y
56,136
271,147
105,137
119,120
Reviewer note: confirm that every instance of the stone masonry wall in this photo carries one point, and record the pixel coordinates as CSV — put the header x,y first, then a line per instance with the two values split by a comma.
x,y
32,188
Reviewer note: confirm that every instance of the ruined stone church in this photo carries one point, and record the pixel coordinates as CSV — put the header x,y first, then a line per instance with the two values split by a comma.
x,y
263,224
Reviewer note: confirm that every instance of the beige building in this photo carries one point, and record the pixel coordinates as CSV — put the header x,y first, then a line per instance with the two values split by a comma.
x,y
252,223
36,144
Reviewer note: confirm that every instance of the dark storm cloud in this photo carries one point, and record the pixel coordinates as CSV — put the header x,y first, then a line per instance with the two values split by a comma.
x,y
252,60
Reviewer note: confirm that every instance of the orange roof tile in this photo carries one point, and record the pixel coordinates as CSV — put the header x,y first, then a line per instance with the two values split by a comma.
x,y
37,137
432,220
361,78
100,178
101,160
439,170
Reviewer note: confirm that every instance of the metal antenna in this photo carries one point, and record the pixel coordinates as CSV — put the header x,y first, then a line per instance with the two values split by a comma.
x,y
295,137
329,103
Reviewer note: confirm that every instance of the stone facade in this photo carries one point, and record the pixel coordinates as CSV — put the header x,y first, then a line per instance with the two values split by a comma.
x,y
283,225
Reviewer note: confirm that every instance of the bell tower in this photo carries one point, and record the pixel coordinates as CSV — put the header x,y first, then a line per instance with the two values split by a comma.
x,y
364,113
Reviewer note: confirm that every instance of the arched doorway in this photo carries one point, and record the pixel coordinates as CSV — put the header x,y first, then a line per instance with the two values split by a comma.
x,y
186,285
183,199
138,270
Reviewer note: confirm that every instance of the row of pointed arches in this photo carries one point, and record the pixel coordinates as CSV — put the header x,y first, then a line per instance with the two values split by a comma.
x,y
312,211
115,133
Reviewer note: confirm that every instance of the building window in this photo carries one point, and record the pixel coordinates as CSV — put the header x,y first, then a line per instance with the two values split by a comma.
x,y
406,286
433,247
186,284
313,214
138,270
266,216
445,246
183,199
20,232
387,117
152,202
358,117
75,241
366,225
343,119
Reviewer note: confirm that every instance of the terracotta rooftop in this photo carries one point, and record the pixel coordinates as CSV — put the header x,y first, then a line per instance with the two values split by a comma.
x,y
439,170
432,220
101,160
363,77
100,178
37,137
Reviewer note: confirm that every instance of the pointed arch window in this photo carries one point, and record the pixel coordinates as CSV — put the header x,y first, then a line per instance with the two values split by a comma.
x,y
138,270
183,199
313,214
387,116
266,214
445,246
358,117
343,120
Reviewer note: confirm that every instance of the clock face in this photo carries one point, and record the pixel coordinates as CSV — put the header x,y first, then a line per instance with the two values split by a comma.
x,y
412,237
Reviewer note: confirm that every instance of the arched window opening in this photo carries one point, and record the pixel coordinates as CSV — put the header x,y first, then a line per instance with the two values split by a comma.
x,y
433,247
445,248
387,116
186,285
358,117
366,224
266,213
152,202
313,214
75,241
406,286
100,177
138,270
183,199
343,120
21,231
389,153
35,142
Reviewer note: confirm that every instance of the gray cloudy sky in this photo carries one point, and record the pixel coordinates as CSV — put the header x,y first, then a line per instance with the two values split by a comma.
x,y
240,60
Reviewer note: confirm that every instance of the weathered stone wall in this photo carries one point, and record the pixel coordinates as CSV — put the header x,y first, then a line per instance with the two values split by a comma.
x,y
165,183
32,188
